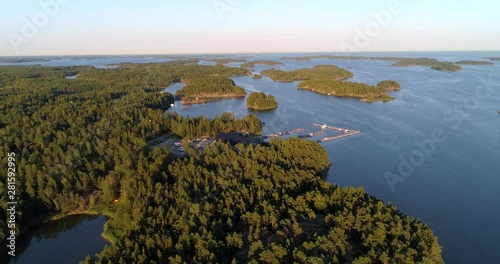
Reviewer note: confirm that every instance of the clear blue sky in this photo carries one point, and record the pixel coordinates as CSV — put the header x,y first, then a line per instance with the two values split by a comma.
x,y
170,26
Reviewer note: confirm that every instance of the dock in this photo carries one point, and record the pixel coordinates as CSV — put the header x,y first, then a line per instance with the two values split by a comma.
x,y
346,132
279,134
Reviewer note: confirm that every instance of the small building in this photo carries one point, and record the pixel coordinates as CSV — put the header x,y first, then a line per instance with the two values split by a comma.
x,y
234,138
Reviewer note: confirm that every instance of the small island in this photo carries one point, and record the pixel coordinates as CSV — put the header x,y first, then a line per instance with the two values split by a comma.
x,y
389,85
256,76
493,58
471,62
261,101
251,64
207,89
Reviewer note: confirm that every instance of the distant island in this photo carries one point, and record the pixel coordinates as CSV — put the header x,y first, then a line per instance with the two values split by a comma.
x,y
493,58
207,89
256,76
251,64
433,63
328,80
261,101
336,57
329,72
401,61
225,61
471,62
21,59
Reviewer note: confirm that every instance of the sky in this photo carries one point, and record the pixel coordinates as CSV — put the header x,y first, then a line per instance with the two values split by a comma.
x,y
91,27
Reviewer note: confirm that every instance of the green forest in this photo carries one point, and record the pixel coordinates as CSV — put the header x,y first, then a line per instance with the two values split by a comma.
x,y
261,101
81,144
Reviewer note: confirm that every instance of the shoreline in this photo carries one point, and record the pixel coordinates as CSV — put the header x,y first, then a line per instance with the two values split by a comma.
x,y
205,98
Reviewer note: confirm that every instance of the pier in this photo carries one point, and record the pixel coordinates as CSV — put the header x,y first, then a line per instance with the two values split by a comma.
x,y
346,132
279,134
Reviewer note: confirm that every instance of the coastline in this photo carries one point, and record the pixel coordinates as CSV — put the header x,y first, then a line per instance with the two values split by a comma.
x,y
205,98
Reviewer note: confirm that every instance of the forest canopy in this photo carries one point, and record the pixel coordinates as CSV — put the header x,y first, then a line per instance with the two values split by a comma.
x,y
82,144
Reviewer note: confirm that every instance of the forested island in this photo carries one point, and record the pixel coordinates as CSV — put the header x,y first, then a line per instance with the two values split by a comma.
x,y
433,63
328,80
261,101
251,64
81,146
22,59
338,57
389,85
471,62
225,61
206,89
400,61
329,72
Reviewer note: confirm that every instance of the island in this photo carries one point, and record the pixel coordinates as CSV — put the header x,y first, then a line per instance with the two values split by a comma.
x,y
206,89
389,85
256,76
493,58
328,80
16,59
84,149
400,61
471,62
339,57
433,63
251,64
225,61
330,72
261,101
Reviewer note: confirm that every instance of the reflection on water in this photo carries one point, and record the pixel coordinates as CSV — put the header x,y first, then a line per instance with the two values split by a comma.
x,y
67,240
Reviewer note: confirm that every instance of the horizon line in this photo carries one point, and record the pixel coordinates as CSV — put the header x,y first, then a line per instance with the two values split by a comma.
x,y
238,53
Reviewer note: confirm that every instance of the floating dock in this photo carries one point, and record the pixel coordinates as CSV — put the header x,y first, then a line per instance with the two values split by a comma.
x,y
279,134
346,132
